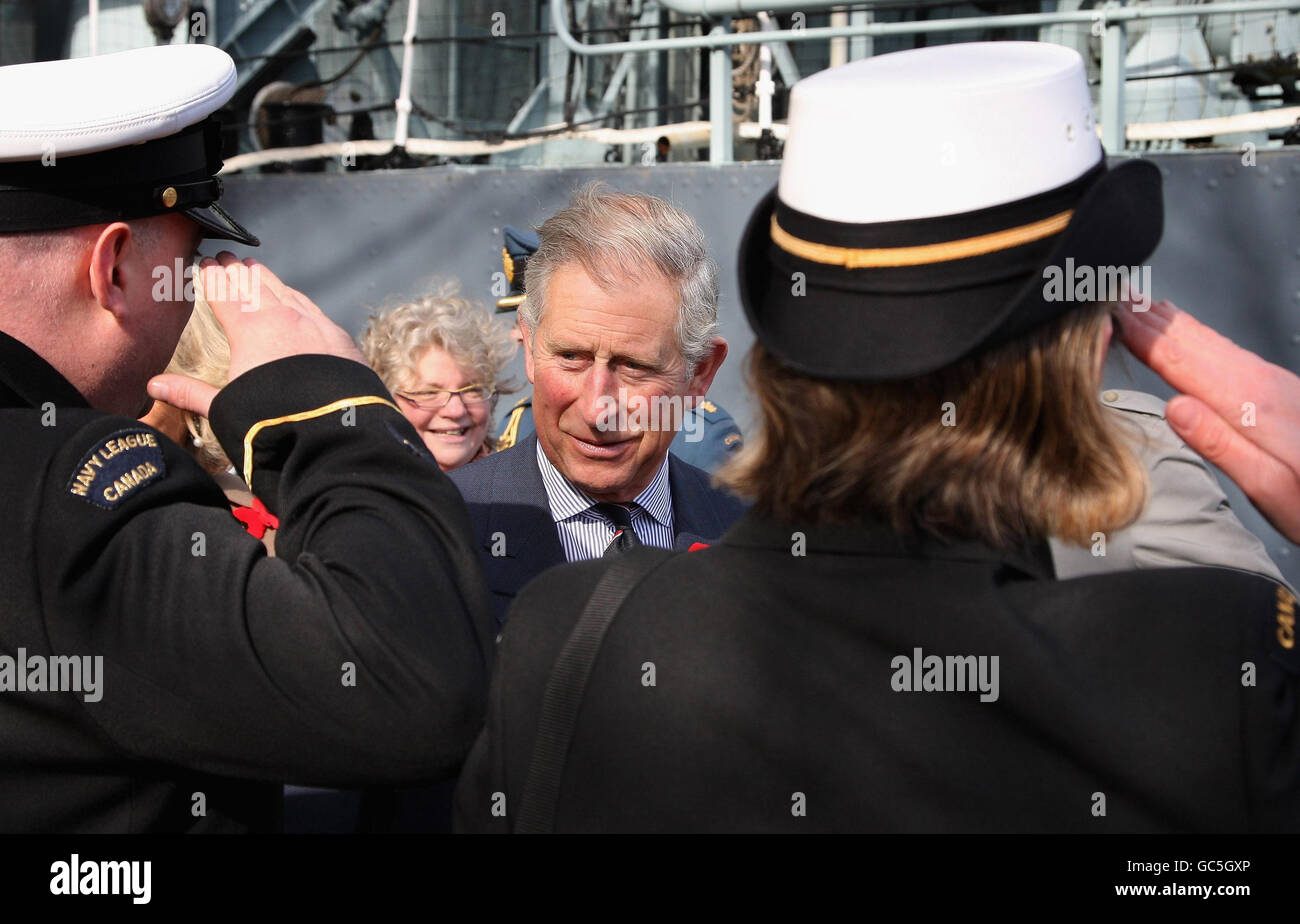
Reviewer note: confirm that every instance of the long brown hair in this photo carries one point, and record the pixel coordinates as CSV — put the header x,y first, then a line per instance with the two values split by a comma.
x,y
1005,446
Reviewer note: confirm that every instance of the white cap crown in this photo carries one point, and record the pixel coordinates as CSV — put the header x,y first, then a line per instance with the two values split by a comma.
x,y
938,131
84,105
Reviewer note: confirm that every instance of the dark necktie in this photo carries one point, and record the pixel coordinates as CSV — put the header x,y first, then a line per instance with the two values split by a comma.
x,y
621,516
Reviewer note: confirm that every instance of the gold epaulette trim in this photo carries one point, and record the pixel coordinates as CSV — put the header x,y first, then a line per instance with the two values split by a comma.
x,y
510,433
302,415
864,258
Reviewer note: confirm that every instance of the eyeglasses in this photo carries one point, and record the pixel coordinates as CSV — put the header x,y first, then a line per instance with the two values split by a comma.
x,y
433,398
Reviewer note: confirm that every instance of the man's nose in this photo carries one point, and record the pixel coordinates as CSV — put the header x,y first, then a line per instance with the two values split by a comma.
x,y
600,390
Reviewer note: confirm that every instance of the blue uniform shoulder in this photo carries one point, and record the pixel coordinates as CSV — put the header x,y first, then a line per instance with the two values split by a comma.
x,y
708,437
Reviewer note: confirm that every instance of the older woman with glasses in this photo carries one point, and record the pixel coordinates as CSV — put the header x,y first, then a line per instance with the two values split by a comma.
x,y
442,357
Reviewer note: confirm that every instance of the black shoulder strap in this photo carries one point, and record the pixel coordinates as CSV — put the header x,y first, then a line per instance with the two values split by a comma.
x,y
566,686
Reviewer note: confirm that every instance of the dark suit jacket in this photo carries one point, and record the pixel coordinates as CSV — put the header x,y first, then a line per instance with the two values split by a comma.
x,y
1124,703
506,496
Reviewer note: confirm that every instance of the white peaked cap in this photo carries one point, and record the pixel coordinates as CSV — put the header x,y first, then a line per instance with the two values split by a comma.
x,y
937,131
84,105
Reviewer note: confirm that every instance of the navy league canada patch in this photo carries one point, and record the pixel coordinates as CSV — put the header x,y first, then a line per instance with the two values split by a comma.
x,y
117,467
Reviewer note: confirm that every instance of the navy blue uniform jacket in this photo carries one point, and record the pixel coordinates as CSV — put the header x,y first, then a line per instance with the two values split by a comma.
x,y
357,657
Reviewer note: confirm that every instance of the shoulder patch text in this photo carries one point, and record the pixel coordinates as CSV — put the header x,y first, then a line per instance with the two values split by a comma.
x,y
117,467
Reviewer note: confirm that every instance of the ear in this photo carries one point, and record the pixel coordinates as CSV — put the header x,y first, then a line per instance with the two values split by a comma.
x,y
528,351
707,368
105,269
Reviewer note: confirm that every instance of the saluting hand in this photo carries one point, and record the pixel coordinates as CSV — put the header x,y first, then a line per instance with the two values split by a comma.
x,y
264,320
1237,410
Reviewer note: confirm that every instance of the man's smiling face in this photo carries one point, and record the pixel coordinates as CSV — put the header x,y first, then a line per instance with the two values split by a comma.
x,y
589,344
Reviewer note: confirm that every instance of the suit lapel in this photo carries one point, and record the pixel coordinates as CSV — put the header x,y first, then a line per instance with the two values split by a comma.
x,y
519,524
694,516
682,542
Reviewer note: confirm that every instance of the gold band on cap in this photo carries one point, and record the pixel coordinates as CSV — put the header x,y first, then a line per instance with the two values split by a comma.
x,y
863,258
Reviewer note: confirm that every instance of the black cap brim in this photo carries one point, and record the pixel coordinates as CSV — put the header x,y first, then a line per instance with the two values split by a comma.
x,y
221,226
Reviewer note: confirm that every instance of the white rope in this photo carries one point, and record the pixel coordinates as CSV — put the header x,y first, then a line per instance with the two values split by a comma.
x,y
685,133
403,104
696,134
1259,121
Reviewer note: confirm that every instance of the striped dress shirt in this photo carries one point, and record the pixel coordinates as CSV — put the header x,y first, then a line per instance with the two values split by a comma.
x,y
584,533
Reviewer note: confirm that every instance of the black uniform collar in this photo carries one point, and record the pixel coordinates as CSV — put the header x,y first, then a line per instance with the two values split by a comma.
x,y
26,380
876,539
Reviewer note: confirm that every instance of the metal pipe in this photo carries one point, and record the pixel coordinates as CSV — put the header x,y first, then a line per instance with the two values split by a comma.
x,y
714,9
1113,51
526,109
624,70
720,111
716,40
661,63
403,103
94,27
629,121
839,46
453,62
860,46
780,52
615,84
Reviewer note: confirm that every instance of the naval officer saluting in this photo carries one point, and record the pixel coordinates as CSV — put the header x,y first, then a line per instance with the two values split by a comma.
x,y
224,672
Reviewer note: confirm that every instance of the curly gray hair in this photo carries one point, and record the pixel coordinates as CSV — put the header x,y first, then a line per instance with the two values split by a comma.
x,y
394,340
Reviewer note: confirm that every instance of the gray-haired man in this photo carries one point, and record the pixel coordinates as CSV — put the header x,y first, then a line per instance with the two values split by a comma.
x,y
621,337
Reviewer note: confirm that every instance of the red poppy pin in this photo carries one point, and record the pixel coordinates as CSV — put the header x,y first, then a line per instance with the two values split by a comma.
x,y
256,519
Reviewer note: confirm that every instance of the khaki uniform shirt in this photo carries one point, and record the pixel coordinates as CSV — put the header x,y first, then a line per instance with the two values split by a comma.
x,y
1187,520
